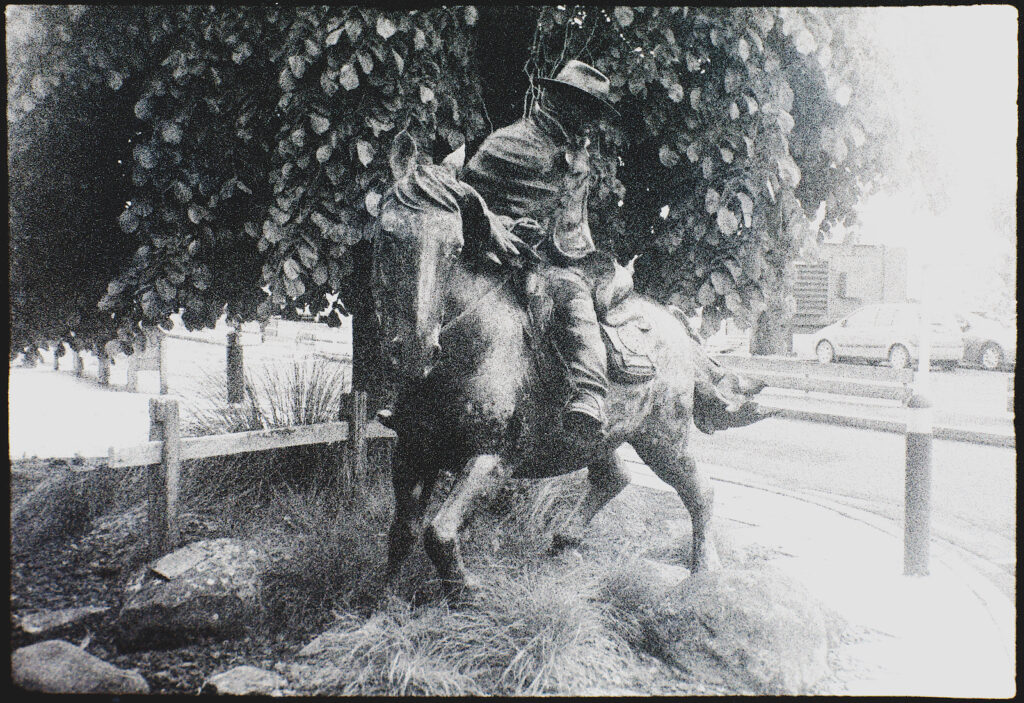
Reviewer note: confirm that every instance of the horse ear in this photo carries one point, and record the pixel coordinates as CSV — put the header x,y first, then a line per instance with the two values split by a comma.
x,y
455,160
403,155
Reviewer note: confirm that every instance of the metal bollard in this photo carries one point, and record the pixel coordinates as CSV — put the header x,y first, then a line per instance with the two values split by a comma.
x,y
918,487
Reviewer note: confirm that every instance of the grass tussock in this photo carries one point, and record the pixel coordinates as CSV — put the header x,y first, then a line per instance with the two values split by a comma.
x,y
538,625
302,392
528,632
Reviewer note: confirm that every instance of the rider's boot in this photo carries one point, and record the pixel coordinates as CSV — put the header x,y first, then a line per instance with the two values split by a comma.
x,y
578,338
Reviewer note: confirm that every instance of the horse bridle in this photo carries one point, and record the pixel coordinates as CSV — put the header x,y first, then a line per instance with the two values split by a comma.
x,y
445,326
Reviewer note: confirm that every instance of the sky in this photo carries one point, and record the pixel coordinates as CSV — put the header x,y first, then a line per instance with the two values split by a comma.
x,y
958,68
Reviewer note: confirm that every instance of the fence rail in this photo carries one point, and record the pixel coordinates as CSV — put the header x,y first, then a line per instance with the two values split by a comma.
x,y
166,450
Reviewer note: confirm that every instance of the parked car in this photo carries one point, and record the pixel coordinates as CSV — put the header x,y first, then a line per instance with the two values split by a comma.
x,y
988,343
888,332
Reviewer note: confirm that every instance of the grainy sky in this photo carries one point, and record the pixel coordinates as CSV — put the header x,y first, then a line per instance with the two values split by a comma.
x,y
957,70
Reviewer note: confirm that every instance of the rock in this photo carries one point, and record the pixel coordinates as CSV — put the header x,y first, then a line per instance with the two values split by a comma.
x,y
245,681
46,622
56,666
754,629
213,589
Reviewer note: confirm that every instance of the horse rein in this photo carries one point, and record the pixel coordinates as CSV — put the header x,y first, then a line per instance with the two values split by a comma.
x,y
452,322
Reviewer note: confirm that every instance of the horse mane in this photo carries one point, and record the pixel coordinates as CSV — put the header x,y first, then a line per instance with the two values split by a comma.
x,y
428,185
432,186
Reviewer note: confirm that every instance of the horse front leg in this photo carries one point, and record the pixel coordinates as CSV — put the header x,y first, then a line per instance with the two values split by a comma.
x,y
412,489
607,477
481,477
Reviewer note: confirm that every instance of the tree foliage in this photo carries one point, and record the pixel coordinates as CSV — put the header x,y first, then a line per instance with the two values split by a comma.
x,y
253,141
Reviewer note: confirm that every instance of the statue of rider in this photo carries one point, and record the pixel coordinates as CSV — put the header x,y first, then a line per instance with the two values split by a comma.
x,y
535,173
539,168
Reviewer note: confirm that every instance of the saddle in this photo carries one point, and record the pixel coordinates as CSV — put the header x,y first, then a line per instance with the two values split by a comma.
x,y
624,334
624,331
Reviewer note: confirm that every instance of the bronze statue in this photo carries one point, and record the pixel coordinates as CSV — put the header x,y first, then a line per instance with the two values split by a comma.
x,y
539,168
481,397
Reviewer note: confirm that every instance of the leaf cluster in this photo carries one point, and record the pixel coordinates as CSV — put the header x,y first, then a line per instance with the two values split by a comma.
x,y
250,146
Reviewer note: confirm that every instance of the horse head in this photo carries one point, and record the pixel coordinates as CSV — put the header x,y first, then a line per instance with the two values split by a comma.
x,y
416,247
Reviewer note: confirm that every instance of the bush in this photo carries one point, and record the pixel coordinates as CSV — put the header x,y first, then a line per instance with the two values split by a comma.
x,y
65,503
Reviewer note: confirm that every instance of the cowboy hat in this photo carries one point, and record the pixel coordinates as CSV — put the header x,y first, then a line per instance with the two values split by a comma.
x,y
586,79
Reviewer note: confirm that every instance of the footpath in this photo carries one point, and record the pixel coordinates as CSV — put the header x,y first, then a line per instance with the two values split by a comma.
x,y
949,634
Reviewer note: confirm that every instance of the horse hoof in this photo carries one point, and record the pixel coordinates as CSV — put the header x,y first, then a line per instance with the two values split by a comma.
x,y
560,542
710,562
462,592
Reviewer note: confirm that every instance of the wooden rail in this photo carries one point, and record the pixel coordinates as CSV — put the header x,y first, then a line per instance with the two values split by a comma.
x,y
166,450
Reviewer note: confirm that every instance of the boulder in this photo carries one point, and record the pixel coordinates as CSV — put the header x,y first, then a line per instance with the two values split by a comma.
x,y
46,622
56,666
245,681
757,630
210,587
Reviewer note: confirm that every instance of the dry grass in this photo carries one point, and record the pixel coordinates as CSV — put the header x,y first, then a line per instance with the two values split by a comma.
x,y
529,631
304,392
538,625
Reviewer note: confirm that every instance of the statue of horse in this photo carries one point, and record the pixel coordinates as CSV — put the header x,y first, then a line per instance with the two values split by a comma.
x,y
477,400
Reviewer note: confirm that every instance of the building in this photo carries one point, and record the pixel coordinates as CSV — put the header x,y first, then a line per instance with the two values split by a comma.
x,y
845,277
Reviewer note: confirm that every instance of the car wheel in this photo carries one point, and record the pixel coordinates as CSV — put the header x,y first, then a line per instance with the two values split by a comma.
x,y
899,357
991,357
825,353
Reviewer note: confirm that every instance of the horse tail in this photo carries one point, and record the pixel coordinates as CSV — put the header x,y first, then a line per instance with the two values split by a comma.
x,y
722,398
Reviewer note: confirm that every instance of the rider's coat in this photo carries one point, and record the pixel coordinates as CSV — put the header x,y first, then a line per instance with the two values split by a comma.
x,y
533,168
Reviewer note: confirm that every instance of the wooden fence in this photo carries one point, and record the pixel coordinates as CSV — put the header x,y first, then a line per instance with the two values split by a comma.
x,y
880,382
166,450
155,358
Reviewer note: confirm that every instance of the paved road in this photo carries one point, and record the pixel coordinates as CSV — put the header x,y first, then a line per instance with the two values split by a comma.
x,y
973,486
950,634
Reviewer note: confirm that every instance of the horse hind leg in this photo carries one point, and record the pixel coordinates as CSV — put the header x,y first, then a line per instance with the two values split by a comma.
x,y
607,477
674,465
482,475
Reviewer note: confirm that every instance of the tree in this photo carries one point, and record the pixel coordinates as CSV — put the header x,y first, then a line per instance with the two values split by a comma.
x,y
258,134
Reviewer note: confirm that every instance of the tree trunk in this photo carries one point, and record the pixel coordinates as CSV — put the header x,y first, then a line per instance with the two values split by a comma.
x,y
773,333
368,370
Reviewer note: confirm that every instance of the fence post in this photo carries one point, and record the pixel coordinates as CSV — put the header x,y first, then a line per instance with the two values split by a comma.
x,y
132,384
161,361
236,372
164,477
354,411
78,364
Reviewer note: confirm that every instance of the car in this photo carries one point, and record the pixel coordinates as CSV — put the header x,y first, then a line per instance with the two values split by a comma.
x,y
990,344
889,332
